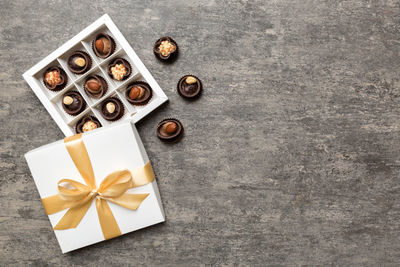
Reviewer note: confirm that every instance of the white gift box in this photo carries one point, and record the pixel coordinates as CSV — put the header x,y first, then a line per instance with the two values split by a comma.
x,y
117,147
52,101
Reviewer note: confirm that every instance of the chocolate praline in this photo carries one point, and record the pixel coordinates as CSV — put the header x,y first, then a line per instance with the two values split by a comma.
x,y
170,130
189,86
138,93
112,109
55,78
79,62
103,45
165,49
95,86
73,103
119,69
86,124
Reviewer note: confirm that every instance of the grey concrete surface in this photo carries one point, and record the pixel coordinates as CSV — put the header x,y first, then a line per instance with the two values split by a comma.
x,y
291,157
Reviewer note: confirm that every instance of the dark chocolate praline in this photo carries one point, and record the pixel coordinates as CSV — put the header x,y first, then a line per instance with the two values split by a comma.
x,y
170,130
103,45
112,109
138,93
79,62
86,124
165,49
55,78
119,69
189,86
73,103
95,86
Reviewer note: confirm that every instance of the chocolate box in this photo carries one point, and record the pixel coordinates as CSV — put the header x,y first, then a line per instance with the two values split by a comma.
x,y
83,41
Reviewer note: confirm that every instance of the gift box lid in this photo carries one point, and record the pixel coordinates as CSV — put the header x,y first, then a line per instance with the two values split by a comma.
x,y
114,148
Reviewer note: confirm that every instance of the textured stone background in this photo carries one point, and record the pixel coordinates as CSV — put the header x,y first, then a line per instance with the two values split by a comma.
x,y
291,156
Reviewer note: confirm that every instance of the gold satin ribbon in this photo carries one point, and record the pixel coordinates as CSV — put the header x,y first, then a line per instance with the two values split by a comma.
x,y
77,197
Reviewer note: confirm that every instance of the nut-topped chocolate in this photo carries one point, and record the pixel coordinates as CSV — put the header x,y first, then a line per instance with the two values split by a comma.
x,y
79,62
170,130
165,48
103,45
189,86
138,93
86,124
73,103
119,69
55,78
112,109
95,86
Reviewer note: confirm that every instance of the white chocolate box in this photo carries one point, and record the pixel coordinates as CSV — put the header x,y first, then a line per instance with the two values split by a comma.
x,y
111,149
83,42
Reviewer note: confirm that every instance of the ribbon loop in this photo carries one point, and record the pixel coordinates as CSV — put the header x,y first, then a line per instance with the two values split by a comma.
x,y
115,184
71,190
78,197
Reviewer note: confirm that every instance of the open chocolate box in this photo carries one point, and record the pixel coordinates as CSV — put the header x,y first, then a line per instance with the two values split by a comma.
x,y
53,100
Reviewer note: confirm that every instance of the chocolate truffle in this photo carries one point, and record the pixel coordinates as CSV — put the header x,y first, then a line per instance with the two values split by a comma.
x,y
86,124
112,109
55,78
165,49
119,69
95,86
103,45
138,93
189,86
170,130
73,103
79,62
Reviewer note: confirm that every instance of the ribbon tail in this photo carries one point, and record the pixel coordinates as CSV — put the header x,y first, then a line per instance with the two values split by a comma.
x,y
73,216
129,201
55,203
107,221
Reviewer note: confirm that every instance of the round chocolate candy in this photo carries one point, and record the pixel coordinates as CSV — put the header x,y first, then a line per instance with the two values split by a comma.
x,y
112,109
170,130
138,93
79,62
86,124
103,45
95,86
73,103
189,86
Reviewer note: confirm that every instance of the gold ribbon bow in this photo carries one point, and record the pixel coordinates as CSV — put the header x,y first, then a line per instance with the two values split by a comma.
x,y
77,197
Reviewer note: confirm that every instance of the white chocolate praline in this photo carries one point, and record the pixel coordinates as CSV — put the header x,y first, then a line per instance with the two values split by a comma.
x,y
67,100
118,71
191,80
88,126
110,107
